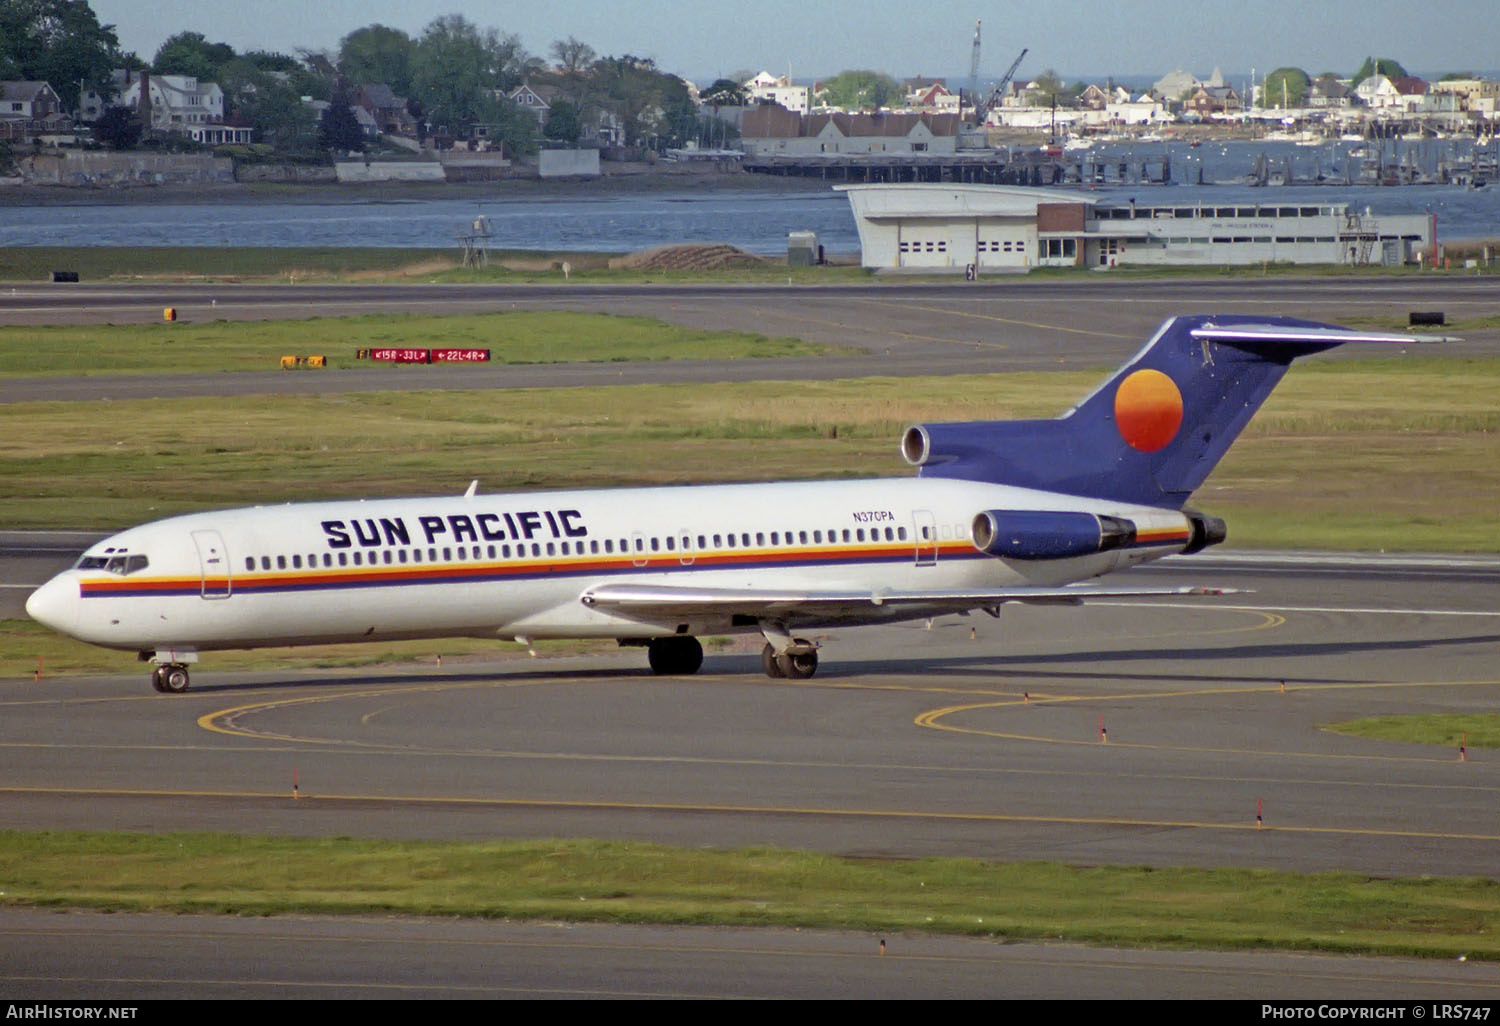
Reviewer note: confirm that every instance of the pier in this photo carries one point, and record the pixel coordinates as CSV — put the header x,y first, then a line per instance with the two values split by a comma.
x,y
989,167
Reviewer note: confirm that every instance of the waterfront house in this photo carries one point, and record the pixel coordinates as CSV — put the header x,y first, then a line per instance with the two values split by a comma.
x,y
181,104
1327,92
1476,95
934,97
1208,100
1094,98
767,88
29,110
1401,92
388,109
537,99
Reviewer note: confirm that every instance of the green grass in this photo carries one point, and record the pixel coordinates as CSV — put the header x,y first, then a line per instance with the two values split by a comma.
x,y
581,880
1375,454
223,263
112,464
308,264
1458,326
1390,454
1477,730
523,271
311,263
542,336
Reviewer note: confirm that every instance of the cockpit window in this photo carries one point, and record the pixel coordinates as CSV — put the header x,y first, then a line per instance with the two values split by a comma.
x,y
115,563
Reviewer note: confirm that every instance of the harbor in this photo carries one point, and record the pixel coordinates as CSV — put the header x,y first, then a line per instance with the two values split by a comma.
x,y
752,212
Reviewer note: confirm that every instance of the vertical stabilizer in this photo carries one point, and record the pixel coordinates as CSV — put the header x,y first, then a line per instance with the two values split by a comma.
x,y
1155,430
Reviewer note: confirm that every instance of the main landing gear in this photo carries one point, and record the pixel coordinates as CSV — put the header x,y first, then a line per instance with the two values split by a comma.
x,y
675,656
796,663
680,655
170,678
784,656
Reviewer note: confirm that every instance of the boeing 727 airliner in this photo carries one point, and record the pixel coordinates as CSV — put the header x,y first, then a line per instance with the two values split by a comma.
x,y
1000,511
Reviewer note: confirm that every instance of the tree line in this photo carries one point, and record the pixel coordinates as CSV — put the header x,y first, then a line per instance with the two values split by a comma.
x,y
454,77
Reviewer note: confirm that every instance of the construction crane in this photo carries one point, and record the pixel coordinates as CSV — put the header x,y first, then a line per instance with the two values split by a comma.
x,y
974,67
981,107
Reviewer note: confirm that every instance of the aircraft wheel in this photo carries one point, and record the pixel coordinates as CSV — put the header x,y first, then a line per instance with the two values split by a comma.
x,y
175,679
770,663
159,678
800,666
675,655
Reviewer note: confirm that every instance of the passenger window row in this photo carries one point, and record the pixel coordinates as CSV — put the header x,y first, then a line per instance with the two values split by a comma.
x,y
592,547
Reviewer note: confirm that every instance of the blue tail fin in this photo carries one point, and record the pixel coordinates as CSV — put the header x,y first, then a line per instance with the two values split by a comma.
x,y
1155,430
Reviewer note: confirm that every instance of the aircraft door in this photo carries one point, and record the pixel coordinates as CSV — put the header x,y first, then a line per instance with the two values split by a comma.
x,y
213,564
924,530
685,552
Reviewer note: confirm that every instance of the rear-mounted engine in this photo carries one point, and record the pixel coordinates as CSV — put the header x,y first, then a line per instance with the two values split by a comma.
x,y
1032,534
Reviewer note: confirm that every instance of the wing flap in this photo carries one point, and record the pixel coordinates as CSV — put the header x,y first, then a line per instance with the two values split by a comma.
x,y
650,601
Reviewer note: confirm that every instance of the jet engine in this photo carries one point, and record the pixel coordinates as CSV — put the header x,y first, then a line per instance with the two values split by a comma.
x,y
1207,531
1041,534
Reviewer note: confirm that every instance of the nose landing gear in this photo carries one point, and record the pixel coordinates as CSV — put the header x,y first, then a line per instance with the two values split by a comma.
x,y
170,674
171,678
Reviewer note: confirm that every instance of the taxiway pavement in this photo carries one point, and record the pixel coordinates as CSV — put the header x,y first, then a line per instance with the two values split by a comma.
x,y
971,737
82,956
882,329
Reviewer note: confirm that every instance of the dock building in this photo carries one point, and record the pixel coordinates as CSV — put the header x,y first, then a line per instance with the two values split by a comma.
x,y
1001,228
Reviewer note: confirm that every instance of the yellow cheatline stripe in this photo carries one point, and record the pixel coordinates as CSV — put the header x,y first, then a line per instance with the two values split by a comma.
x,y
930,719
757,810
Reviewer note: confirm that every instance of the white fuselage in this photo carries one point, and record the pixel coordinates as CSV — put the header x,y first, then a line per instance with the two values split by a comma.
x,y
516,565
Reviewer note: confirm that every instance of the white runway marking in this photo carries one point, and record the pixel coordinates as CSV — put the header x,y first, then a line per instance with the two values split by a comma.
x,y
1306,609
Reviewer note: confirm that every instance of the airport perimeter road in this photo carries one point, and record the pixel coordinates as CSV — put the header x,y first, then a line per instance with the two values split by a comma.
x,y
910,741
889,327
84,956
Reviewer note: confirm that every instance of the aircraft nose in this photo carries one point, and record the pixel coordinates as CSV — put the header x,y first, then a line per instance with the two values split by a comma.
x,y
55,605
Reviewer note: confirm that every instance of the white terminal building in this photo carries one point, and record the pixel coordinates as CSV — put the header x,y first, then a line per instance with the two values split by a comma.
x,y
995,227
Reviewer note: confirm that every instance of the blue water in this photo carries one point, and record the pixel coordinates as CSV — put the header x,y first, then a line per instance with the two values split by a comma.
x,y
757,221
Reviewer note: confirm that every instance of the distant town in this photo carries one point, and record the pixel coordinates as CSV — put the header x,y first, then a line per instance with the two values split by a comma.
x,y
462,103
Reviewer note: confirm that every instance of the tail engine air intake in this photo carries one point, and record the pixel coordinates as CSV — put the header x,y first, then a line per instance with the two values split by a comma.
x,y
1028,534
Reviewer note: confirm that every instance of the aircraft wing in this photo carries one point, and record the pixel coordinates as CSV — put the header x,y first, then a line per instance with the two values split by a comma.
x,y
661,601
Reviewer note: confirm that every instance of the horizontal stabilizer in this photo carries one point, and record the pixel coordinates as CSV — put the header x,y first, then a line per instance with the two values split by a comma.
x,y
1330,336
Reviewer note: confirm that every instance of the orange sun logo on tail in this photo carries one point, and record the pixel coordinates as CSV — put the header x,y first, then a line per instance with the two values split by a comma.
x,y
1148,410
